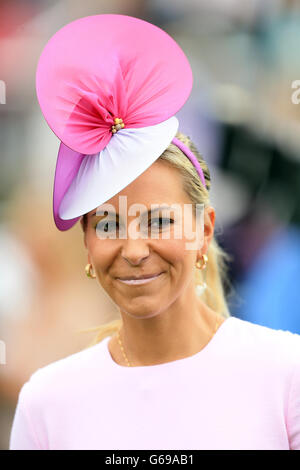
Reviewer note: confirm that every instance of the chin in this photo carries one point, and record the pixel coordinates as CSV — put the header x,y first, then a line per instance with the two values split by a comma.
x,y
140,311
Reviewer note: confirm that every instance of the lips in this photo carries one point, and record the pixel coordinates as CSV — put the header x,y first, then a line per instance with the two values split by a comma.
x,y
136,278
140,281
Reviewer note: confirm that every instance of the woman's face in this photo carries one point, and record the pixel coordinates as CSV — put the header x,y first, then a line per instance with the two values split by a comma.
x,y
113,258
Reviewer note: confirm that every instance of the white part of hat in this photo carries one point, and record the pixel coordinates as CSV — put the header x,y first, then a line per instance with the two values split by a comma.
x,y
103,175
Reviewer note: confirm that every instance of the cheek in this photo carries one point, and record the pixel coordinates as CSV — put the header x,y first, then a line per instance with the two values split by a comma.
x,y
101,255
180,264
174,252
181,259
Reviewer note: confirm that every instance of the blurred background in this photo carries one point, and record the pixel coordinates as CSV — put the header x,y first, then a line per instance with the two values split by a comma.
x,y
243,114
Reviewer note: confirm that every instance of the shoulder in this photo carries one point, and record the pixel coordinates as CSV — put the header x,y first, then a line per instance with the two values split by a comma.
x,y
62,377
273,357
280,347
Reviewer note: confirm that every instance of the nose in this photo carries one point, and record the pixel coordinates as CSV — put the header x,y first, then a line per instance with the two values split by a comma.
x,y
135,251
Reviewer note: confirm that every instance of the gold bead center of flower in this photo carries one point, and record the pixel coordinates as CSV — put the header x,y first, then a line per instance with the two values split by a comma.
x,y
119,124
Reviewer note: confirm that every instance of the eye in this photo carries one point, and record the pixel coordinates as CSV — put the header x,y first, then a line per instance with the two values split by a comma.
x,y
166,221
104,226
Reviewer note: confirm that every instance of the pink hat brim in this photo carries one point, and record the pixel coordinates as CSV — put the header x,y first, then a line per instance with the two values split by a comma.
x,y
67,165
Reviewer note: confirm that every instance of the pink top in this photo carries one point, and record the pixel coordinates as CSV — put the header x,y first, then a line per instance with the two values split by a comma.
x,y
241,391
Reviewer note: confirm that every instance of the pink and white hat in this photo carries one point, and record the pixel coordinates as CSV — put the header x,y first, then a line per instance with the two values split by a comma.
x,y
109,87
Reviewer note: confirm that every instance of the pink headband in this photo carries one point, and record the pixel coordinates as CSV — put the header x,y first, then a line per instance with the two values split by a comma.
x,y
191,157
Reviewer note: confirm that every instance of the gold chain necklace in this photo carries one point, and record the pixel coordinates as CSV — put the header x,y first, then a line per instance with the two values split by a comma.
x,y
124,354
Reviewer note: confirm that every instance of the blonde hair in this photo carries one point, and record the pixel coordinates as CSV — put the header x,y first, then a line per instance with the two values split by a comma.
x,y
215,273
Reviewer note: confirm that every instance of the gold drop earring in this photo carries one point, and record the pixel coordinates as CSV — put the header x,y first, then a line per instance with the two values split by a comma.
x,y
88,271
200,287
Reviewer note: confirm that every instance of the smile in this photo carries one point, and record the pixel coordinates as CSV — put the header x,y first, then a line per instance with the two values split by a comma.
x,y
137,282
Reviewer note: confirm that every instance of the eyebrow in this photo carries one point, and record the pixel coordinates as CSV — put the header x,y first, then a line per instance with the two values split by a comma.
x,y
146,212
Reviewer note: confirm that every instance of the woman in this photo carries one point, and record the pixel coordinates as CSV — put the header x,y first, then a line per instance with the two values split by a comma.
x,y
176,371
173,326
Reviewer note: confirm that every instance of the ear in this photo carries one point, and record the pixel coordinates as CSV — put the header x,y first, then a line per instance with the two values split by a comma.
x,y
209,225
84,231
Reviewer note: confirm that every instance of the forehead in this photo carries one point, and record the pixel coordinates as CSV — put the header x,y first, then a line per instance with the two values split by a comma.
x,y
159,184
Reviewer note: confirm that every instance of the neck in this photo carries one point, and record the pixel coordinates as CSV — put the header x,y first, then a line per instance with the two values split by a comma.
x,y
179,331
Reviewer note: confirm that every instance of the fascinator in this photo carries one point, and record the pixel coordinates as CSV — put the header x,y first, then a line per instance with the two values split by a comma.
x,y
109,87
